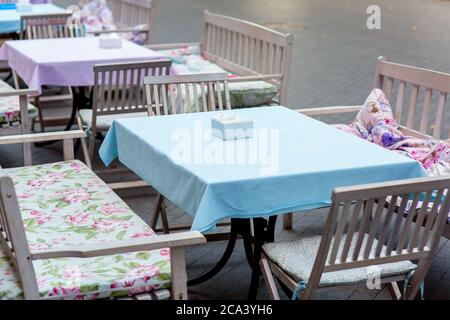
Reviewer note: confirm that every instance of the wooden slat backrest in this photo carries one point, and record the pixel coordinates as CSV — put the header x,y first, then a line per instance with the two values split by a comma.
x,y
13,238
118,88
187,93
47,26
361,216
247,49
132,13
426,107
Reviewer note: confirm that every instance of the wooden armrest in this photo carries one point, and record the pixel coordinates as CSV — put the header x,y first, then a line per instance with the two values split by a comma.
x,y
20,92
173,240
163,46
120,30
40,137
328,110
256,78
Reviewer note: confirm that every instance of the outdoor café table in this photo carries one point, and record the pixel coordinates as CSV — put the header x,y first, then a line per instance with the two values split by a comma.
x,y
306,160
67,62
10,18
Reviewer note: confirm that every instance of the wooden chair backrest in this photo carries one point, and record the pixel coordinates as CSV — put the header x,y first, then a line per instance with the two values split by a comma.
x,y
118,88
368,213
425,110
247,49
187,93
48,26
131,13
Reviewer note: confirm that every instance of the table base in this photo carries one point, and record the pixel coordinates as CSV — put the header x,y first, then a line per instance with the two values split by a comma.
x,y
263,231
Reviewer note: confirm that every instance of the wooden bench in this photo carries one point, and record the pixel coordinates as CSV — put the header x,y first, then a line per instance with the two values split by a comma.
x,y
424,120
248,50
128,14
66,235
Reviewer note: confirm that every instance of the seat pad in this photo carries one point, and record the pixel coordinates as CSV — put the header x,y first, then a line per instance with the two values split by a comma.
x,y
65,204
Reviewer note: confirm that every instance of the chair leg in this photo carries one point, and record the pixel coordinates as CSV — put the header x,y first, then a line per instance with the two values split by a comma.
x,y
268,279
394,290
164,220
84,146
179,274
156,212
287,221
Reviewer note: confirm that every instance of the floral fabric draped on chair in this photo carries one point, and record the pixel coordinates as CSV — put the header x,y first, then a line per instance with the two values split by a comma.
x,y
375,123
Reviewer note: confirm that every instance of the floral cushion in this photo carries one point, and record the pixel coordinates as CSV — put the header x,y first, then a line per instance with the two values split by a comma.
x,y
10,108
188,60
65,204
375,122
95,15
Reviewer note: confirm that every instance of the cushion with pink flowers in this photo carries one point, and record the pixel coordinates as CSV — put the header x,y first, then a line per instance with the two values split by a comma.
x,y
10,108
66,204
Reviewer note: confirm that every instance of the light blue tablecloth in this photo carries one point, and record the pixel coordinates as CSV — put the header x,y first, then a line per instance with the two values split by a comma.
x,y
313,159
10,19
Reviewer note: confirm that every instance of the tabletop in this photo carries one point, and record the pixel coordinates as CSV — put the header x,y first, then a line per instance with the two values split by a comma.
x,y
10,19
66,61
292,163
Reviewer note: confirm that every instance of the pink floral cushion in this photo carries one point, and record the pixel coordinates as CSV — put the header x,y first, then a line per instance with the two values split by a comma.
x,y
66,204
10,108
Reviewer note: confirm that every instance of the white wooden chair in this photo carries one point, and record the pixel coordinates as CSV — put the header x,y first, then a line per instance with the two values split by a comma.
x,y
423,120
184,94
364,238
128,14
25,258
117,93
48,26
251,51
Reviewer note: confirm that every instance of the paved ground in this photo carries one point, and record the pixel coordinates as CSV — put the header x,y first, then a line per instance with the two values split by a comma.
x,y
333,64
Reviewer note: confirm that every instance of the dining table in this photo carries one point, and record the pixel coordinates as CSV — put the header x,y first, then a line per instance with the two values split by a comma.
x,y
67,62
10,17
290,164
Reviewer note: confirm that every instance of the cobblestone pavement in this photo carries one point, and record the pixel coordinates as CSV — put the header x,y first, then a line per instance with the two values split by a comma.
x,y
333,64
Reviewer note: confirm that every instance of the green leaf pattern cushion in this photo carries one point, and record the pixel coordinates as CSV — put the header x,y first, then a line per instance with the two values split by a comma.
x,y
10,108
187,60
65,204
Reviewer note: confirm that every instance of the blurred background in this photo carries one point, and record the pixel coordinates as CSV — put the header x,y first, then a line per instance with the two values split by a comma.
x,y
334,51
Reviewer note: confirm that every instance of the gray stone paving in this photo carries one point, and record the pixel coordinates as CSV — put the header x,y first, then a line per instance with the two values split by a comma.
x,y
333,64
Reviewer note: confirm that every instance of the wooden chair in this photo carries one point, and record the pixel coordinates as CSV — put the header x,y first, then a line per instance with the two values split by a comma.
x,y
251,51
423,120
117,93
48,26
363,231
183,94
131,13
24,126
14,241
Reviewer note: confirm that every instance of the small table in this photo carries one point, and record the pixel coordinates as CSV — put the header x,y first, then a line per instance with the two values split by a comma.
x,y
10,18
306,160
66,61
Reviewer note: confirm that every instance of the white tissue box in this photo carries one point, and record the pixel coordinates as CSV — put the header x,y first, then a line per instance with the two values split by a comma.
x,y
23,7
229,126
110,42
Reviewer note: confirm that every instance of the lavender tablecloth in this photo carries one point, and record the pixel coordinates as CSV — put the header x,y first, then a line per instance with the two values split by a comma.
x,y
67,61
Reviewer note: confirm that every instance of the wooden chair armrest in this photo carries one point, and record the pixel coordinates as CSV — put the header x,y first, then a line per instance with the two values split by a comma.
x,y
164,46
256,78
328,110
40,137
20,92
173,240
120,30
